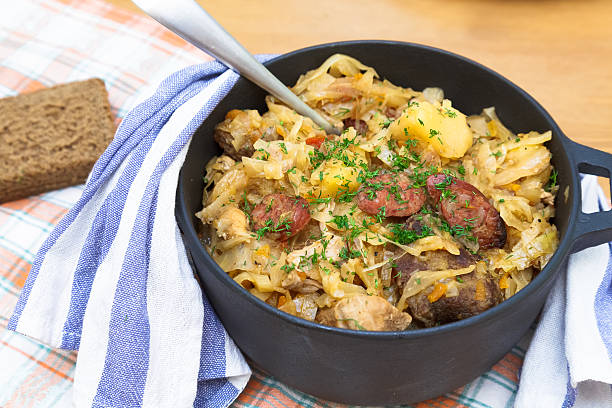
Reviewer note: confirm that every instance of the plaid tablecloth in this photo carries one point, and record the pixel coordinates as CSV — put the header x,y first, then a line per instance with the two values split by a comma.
x,y
47,42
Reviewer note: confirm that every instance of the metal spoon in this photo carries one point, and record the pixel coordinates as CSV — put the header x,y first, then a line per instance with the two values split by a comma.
x,y
191,22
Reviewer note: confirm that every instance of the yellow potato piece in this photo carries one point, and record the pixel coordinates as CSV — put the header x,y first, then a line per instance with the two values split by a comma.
x,y
335,177
444,128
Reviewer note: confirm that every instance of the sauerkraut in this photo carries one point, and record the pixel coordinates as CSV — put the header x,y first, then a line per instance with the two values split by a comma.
x,y
344,249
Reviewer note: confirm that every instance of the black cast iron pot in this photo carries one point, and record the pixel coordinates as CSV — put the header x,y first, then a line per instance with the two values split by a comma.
x,y
375,368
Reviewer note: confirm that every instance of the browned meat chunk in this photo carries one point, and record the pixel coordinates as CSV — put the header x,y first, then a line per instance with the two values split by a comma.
x,y
360,126
462,204
295,283
392,191
475,296
393,113
224,139
430,261
363,312
236,134
280,216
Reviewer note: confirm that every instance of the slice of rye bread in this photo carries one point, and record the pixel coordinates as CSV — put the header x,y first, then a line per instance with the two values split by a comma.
x,y
51,138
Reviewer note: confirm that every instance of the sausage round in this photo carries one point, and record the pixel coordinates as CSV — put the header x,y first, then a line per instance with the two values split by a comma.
x,y
280,216
462,204
392,191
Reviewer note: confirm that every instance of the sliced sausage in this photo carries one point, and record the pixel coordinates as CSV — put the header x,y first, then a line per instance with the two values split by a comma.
x,y
476,294
392,191
462,204
280,216
360,126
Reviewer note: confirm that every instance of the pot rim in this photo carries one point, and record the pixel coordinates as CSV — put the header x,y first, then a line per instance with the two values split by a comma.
x,y
548,272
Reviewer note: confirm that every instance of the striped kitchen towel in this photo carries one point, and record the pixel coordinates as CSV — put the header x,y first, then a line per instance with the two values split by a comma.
x,y
569,361
39,47
112,279
36,50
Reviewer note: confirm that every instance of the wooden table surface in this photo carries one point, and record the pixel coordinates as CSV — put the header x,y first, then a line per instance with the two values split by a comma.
x,y
559,51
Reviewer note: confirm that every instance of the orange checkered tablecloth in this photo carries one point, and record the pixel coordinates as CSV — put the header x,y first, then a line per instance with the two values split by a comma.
x,y
47,42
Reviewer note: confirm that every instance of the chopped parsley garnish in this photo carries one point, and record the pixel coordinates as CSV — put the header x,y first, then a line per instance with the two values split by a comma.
x,y
264,155
346,253
288,268
283,225
382,214
552,181
355,322
410,143
246,205
386,123
404,236
341,221
342,112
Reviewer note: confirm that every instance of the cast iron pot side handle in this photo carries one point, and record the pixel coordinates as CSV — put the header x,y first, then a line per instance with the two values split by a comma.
x,y
595,228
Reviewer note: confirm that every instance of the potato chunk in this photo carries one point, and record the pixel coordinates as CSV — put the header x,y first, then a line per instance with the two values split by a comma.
x,y
442,127
333,178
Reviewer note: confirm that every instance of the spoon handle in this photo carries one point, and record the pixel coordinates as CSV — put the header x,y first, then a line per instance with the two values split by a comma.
x,y
191,22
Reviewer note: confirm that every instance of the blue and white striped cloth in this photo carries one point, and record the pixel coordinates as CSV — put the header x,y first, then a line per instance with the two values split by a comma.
x,y
112,280
569,361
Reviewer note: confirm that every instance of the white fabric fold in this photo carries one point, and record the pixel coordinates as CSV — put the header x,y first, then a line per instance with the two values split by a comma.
x,y
569,361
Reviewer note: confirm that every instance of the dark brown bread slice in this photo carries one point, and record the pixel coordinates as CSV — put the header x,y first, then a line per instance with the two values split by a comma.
x,y
51,138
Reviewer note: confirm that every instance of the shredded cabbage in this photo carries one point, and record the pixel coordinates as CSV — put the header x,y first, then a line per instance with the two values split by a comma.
x,y
344,252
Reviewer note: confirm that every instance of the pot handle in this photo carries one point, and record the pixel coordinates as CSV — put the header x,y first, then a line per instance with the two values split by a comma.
x,y
595,228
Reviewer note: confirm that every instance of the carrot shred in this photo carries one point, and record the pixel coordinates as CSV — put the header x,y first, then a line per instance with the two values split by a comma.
x,y
315,141
233,113
263,250
302,275
503,282
438,291
281,131
480,294
281,300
